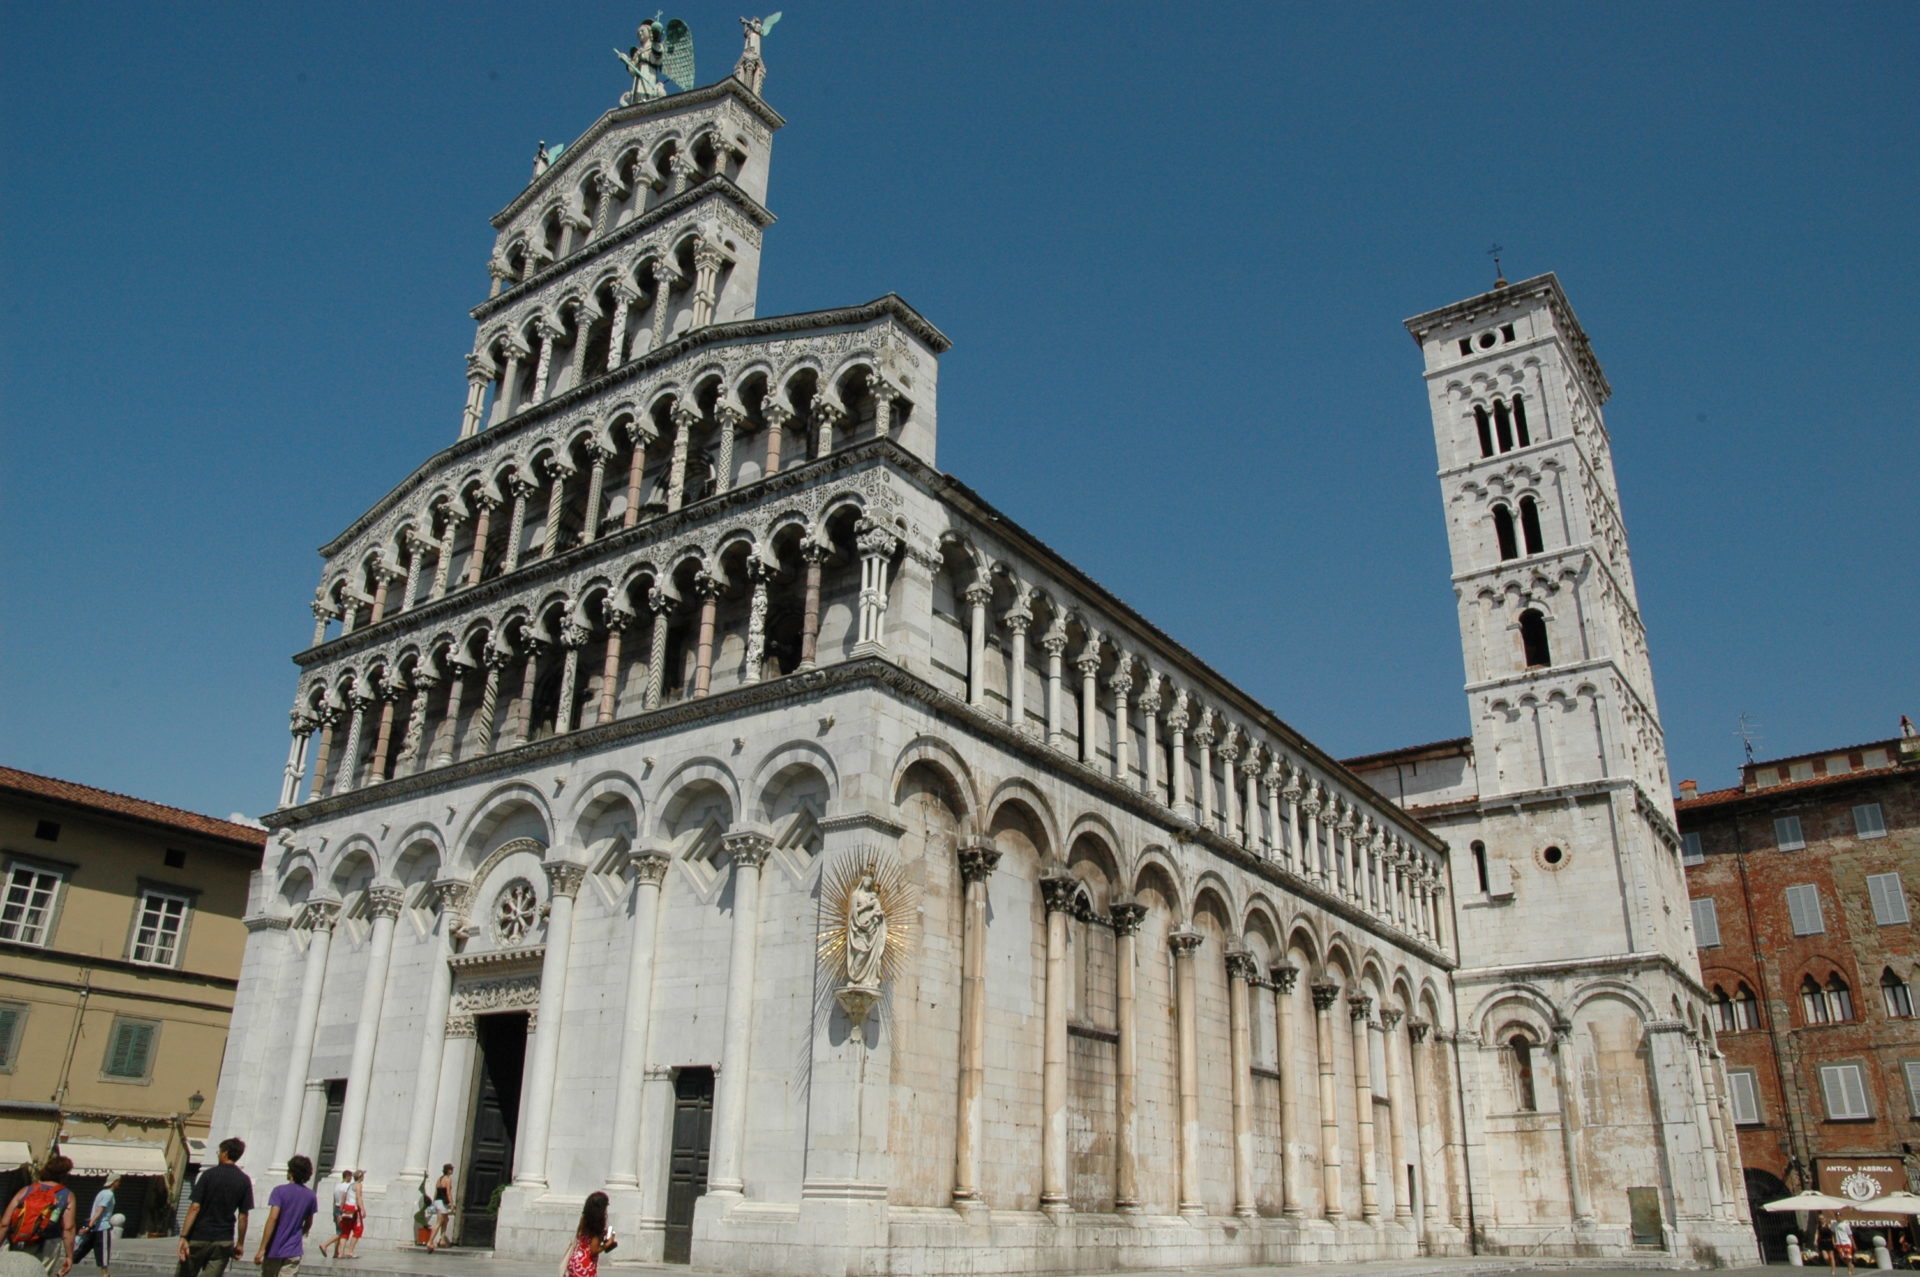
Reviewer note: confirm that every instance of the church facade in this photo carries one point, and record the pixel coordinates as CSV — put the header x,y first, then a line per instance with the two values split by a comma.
x,y
696,794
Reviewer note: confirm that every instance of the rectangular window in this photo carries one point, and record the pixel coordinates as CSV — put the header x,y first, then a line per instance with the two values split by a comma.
x,y
130,1050
1803,910
1743,1088
1786,833
158,928
13,1019
1690,852
1845,1090
1868,821
26,911
1913,1085
1706,924
1889,899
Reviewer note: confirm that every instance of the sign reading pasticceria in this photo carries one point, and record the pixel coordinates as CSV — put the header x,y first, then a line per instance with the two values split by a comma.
x,y
1861,1179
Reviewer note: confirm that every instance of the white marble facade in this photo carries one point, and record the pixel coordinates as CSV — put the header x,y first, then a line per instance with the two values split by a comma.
x,y
684,619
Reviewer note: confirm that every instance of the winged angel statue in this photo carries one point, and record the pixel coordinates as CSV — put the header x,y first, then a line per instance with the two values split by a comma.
x,y
751,70
662,61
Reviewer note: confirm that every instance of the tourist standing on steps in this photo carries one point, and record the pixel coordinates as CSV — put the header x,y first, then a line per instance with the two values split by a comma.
x,y
290,1211
40,1218
343,1216
98,1237
591,1239
216,1229
440,1210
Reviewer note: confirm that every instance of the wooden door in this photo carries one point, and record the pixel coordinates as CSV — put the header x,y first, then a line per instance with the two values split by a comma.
x,y
687,1166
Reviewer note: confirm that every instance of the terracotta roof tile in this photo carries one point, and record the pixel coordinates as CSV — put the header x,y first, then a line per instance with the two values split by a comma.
x,y
66,791
1717,797
1452,745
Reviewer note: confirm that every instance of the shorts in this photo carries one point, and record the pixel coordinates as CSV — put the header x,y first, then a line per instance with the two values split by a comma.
x,y
1843,1249
280,1267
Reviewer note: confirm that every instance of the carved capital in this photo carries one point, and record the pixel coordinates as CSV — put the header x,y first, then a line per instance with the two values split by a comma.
x,y
1390,1018
979,594
1149,702
707,585
454,896
978,860
649,867
1241,966
1325,994
879,542
1184,941
1360,1007
1059,892
1284,975
385,902
574,635
815,552
616,617
302,722
1417,1031
1121,683
1127,915
459,1026
564,878
749,850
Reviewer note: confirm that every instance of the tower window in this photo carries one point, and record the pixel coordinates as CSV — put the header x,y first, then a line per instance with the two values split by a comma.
x,y
1530,523
1485,425
1480,865
1506,332
1466,345
1503,533
1533,640
1503,425
1522,1057
1520,421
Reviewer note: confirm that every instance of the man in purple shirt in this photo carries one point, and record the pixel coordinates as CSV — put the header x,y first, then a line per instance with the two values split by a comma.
x,y
290,1211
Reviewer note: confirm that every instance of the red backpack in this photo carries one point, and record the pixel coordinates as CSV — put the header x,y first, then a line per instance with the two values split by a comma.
x,y
39,1214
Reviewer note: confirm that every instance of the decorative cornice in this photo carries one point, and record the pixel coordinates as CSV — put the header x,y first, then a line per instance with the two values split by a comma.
x,y
869,820
500,961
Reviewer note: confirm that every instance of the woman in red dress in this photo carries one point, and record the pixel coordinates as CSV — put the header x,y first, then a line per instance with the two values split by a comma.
x,y
591,1239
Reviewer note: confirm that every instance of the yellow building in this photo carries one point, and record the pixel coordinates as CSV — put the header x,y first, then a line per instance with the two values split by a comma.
x,y
120,943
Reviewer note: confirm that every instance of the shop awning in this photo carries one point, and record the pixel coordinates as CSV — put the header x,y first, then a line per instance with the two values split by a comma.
x,y
14,1152
103,1157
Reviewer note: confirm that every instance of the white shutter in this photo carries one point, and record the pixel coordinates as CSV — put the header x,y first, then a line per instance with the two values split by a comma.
x,y
1706,924
1803,910
1844,1089
1868,821
1786,833
1691,852
1745,1095
1889,899
1913,1086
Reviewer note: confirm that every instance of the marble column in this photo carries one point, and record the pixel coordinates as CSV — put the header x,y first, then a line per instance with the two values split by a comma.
x,y
827,417
730,420
303,725
618,619
658,604
1396,1114
759,574
1313,861
389,698
814,555
1276,832
1127,917
597,458
521,488
1177,762
484,505
877,548
349,766
1088,663
480,375
318,919
776,416
503,397
727,1170
450,1115
413,741
494,660
623,1164
977,596
544,335
329,716
1184,943
543,1052
1203,735
1240,970
454,896
1054,643
520,716
383,906
686,419
573,637
1285,975
1018,620
1360,1009
1566,1082
664,278
1121,684
977,860
1058,891
1229,792
636,472
558,472
1325,994
1250,806
707,261
1426,1119
446,741
624,297
708,588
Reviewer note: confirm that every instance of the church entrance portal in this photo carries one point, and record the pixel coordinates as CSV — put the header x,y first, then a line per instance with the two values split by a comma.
x,y
501,1059
687,1169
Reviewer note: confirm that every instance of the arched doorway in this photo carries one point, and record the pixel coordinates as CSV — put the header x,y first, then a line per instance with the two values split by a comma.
x,y
1770,1229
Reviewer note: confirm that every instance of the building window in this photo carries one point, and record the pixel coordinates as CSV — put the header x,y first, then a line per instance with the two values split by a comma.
x,y
13,1020
1912,1070
1845,1089
1839,1000
1690,850
1743,1090
1480,865
157,929
1746,1009
1889,899
1803,910
1786,833
1722,1010
1813,1001
1895,993
1503,425
47,831
1706,924
1530,524
1503,533
1520,1048
1868,822
1533,640
130,1050
26,911
1484,425
1520,421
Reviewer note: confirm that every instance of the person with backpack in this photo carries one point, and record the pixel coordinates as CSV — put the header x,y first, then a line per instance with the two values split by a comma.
x,y
216,1228
98,1237
40,1218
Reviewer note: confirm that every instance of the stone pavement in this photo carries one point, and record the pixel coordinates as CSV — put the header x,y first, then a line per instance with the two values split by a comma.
x,y
155,1257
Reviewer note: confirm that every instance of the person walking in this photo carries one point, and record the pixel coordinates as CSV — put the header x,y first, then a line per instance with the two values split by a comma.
x,y
359,1215
216,1227
343,1216
440,1210
97,1239
290,1211
40,1219
1843,1241
591,1239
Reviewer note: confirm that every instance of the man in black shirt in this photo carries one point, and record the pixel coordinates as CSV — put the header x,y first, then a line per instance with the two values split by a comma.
x,y
216,1229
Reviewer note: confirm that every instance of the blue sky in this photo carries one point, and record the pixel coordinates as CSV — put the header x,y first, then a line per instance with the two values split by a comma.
x,y
1173,253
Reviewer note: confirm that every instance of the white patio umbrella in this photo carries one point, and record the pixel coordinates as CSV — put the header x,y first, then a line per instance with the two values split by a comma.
x,y
1901,1203
1810,1201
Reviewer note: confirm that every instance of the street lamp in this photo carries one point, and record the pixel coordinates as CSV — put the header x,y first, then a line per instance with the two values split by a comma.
x,y
194,1102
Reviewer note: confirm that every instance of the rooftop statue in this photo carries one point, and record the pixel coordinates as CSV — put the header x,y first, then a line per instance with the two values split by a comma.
x,y
751,70
643,64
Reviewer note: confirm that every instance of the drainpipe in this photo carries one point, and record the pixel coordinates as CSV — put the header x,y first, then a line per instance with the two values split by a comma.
x,y
73,1038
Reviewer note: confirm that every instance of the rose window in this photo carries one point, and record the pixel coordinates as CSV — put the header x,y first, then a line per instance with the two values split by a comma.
x,y
515,911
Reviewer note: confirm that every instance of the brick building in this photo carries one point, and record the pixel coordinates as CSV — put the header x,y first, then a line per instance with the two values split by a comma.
x,y
1802,880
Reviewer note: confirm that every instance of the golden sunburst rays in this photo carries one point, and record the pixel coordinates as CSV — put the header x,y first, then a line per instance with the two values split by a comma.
x,y
899,901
